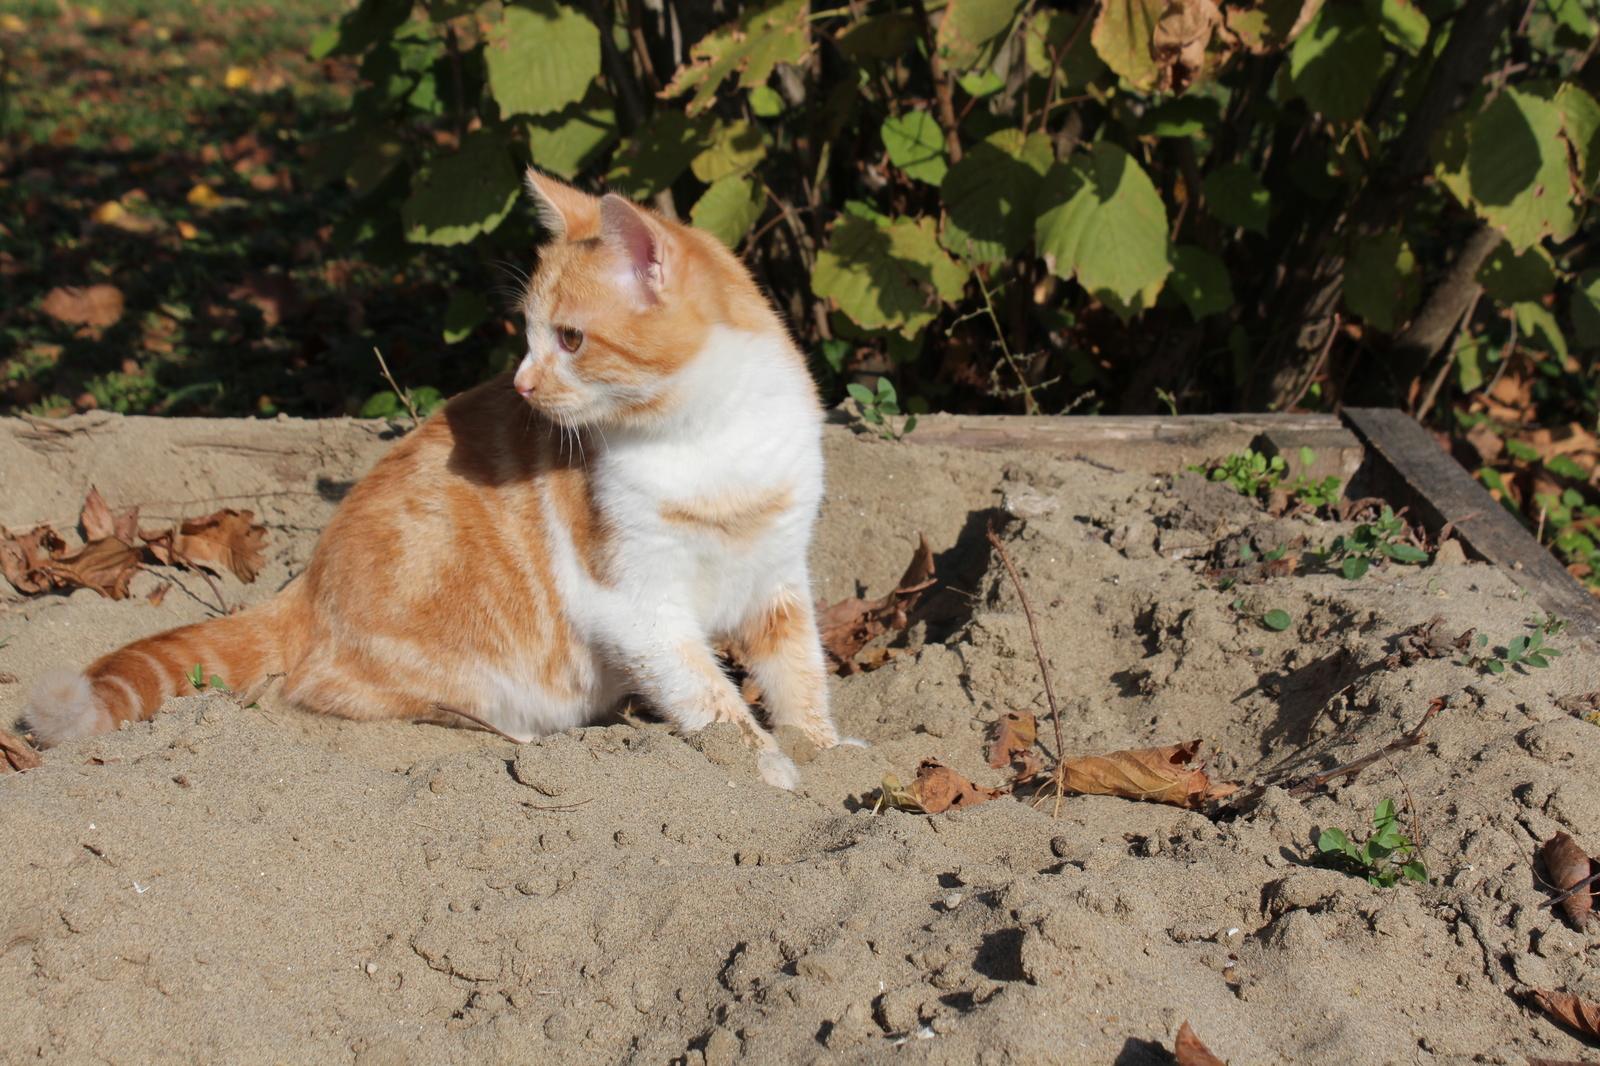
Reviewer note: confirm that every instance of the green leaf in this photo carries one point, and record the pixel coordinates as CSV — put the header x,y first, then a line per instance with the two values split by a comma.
x,y
1516,169
751,47
1563,466
766,102
1201,281
1121,35
1384,815
1510,278
1278,620
378,153
989,197
657,153
1048,31
1183,117
459,196
1539,327
916,145
1537,660
880,37
732,148
880,274
730,207
1404,25
1332,840
1236,196
466,313
1268,26
569,140
1495,666
969,25
1336,62
1354,568
542,55
371,22
1469,363
1373,278
379,405
219,684
1405,553
1415,870
1585,309
1580,125
1516,649
861,393
1101,219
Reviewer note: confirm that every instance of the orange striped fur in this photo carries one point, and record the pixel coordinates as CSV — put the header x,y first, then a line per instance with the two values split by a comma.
x,y
645,483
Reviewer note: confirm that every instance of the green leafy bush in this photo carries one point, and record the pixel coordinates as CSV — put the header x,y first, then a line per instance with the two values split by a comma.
x,y
1383,859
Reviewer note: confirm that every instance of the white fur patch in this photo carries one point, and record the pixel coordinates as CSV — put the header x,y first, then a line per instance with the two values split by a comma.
x,y
779,771
64,707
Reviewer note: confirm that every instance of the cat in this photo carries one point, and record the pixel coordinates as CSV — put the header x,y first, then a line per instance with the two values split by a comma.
x,y
645,483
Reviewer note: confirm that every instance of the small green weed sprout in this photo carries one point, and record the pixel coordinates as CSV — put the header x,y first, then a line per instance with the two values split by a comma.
x,y
1549,625
878,407
197,677
1521,652
1254,474
1370,541
1383,860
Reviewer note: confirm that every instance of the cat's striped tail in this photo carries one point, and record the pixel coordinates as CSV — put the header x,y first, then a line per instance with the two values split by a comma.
x,y
129,684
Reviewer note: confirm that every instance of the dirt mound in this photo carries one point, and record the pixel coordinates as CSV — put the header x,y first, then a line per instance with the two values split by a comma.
x,y
225,884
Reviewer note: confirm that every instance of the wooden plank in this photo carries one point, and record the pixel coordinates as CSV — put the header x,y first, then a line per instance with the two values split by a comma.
x,y
1153,444
1407,467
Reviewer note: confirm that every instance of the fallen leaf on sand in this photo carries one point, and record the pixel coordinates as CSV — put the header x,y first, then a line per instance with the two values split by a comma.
x,y
98,305
98,523
1015,735
936,789
15,753
1568,864
1558,1062
848,625
23,558
1427,641
1159,775
103,565
1570,1010
1189,1051
228,540
939,788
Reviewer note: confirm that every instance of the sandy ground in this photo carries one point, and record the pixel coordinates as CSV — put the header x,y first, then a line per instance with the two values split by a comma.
x,y
227,885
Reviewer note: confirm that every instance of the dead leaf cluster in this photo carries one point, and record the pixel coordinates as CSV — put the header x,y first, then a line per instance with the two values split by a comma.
x,y
39,560
849,625
15,754
1569,1010
1428,641
1189,1051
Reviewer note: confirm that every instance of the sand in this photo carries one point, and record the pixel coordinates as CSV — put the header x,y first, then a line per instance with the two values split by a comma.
x,y
234,885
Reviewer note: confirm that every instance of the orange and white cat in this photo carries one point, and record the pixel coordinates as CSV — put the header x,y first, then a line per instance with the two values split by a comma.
x,y
645,484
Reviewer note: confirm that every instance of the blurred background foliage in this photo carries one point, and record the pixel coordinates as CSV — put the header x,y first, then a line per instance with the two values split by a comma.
x,y
1026,206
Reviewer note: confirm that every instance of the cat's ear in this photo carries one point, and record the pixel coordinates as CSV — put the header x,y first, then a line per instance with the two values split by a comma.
x,y
565,213
642,242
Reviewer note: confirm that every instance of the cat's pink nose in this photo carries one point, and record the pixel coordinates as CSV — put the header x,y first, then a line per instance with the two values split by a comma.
x,y
523,390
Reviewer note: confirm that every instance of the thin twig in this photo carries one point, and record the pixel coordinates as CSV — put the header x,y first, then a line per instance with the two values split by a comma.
x,y
1033,628
1573,891
405,397
197,568
1411,739
479,721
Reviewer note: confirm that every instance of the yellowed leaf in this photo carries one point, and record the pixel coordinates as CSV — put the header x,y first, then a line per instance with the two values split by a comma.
x,y
1159,775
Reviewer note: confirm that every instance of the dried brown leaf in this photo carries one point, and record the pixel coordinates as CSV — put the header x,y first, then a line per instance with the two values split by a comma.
x,y
1015,735
1568,864
228,540
1159,775
25,559
103,565
1178,42
15,754
98,305
939,788
159,593
1580,1014
1189,1051
847,626
1428,641
100,524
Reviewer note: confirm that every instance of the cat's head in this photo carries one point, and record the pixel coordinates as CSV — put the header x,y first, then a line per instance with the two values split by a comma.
x,y
622,302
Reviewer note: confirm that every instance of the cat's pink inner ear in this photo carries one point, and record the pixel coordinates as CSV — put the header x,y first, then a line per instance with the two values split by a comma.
x,y
565,213
639,239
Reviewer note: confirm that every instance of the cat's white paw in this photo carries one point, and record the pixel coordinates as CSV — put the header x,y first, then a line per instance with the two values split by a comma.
x,y
779,771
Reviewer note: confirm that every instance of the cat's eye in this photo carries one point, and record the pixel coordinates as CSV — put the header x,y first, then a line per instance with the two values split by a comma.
x,y
569,338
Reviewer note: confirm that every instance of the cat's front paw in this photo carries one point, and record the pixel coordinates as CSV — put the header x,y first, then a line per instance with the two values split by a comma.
x,y
779,771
